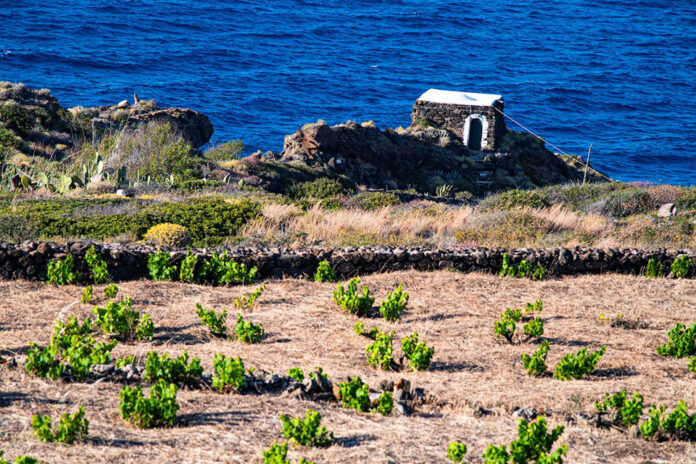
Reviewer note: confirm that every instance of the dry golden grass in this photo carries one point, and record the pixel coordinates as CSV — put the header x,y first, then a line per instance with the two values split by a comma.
x,y
452,312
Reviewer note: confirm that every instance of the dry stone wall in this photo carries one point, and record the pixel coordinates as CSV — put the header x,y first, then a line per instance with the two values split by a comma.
x,y
29,260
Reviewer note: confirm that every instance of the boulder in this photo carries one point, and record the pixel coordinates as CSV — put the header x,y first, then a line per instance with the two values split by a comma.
x,y
667,210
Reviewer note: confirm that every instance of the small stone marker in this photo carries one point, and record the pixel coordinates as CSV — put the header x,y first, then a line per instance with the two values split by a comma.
x,y
667,210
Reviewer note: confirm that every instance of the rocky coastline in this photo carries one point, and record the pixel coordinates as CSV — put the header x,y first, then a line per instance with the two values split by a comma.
x,y
29,259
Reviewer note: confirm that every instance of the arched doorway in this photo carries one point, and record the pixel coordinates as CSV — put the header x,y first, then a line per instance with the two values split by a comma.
x,y
475,132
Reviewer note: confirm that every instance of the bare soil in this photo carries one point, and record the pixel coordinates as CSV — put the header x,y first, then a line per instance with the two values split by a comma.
x,y
453,312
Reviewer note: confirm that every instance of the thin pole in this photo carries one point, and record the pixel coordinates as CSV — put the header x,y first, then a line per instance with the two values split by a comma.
x,y
587,164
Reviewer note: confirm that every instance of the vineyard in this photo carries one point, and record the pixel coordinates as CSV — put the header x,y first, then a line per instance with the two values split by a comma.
x,y
394,368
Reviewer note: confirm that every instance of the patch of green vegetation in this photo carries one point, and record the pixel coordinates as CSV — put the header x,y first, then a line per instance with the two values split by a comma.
x,y
523,269
177,371
61,271
231,150
214,322
159,268
370,201
17,118
247,331
577,366
417,352
325,273
228,373
97,266
536,363
317,189
379,353
71,427
307,431
681,267
127,324
682,341
516,199
210,221
533,445
627,412
394,305
654,269
249,301
159,410
456,452
349,299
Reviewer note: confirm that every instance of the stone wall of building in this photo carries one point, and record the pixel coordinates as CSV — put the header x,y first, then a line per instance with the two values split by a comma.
x,y
29,260
453,117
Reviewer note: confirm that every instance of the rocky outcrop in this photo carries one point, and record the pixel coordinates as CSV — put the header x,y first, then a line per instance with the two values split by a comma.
x,y
426,158
29,260
193,126
33,122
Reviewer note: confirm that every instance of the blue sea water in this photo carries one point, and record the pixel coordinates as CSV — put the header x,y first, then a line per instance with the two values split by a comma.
x,y
620,74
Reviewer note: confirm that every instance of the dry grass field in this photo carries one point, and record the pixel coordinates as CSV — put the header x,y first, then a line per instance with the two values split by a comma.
x,y
453,312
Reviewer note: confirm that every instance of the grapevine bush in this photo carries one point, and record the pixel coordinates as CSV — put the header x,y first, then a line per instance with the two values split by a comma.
x,y
682,341
536,363
325,273
577,366
61,271
627,412
159,268
214,322
97,266
307,431
127,324
248,302
71,427
229,373
533,445
177,371
159,410
394,305
349,299
247,331
379,353
417,352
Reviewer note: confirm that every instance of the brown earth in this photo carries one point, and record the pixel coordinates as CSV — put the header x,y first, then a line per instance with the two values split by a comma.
x,y
451,311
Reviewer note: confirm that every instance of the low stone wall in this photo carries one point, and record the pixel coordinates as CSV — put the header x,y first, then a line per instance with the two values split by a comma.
x,y
29,260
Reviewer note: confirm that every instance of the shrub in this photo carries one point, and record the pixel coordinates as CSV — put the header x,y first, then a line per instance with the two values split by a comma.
x,y
417,352
247,331
229,372
692,364
248,302
121,320
276,454
83,352
63,332
325,273
110,291
456,452
349,299
625,202
169,235
628,411
177,371
355,394
532,445
536,363
216,323
379,353
221,270
231,150
317,189
43,363
188,267
517,198
682,341
159,268
71,427
654,269
87,294
97,266
157,410
524,269
19,459
505,327
677,424
296,373
16,117
680,267
394,305
307,431
534,328
60,271
576,366
371,201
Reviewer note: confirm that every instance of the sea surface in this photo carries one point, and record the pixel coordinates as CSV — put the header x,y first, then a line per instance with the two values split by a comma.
x,y
618,74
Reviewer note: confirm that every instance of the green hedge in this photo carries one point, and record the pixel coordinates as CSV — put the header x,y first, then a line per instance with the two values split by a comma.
x,y
209,221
